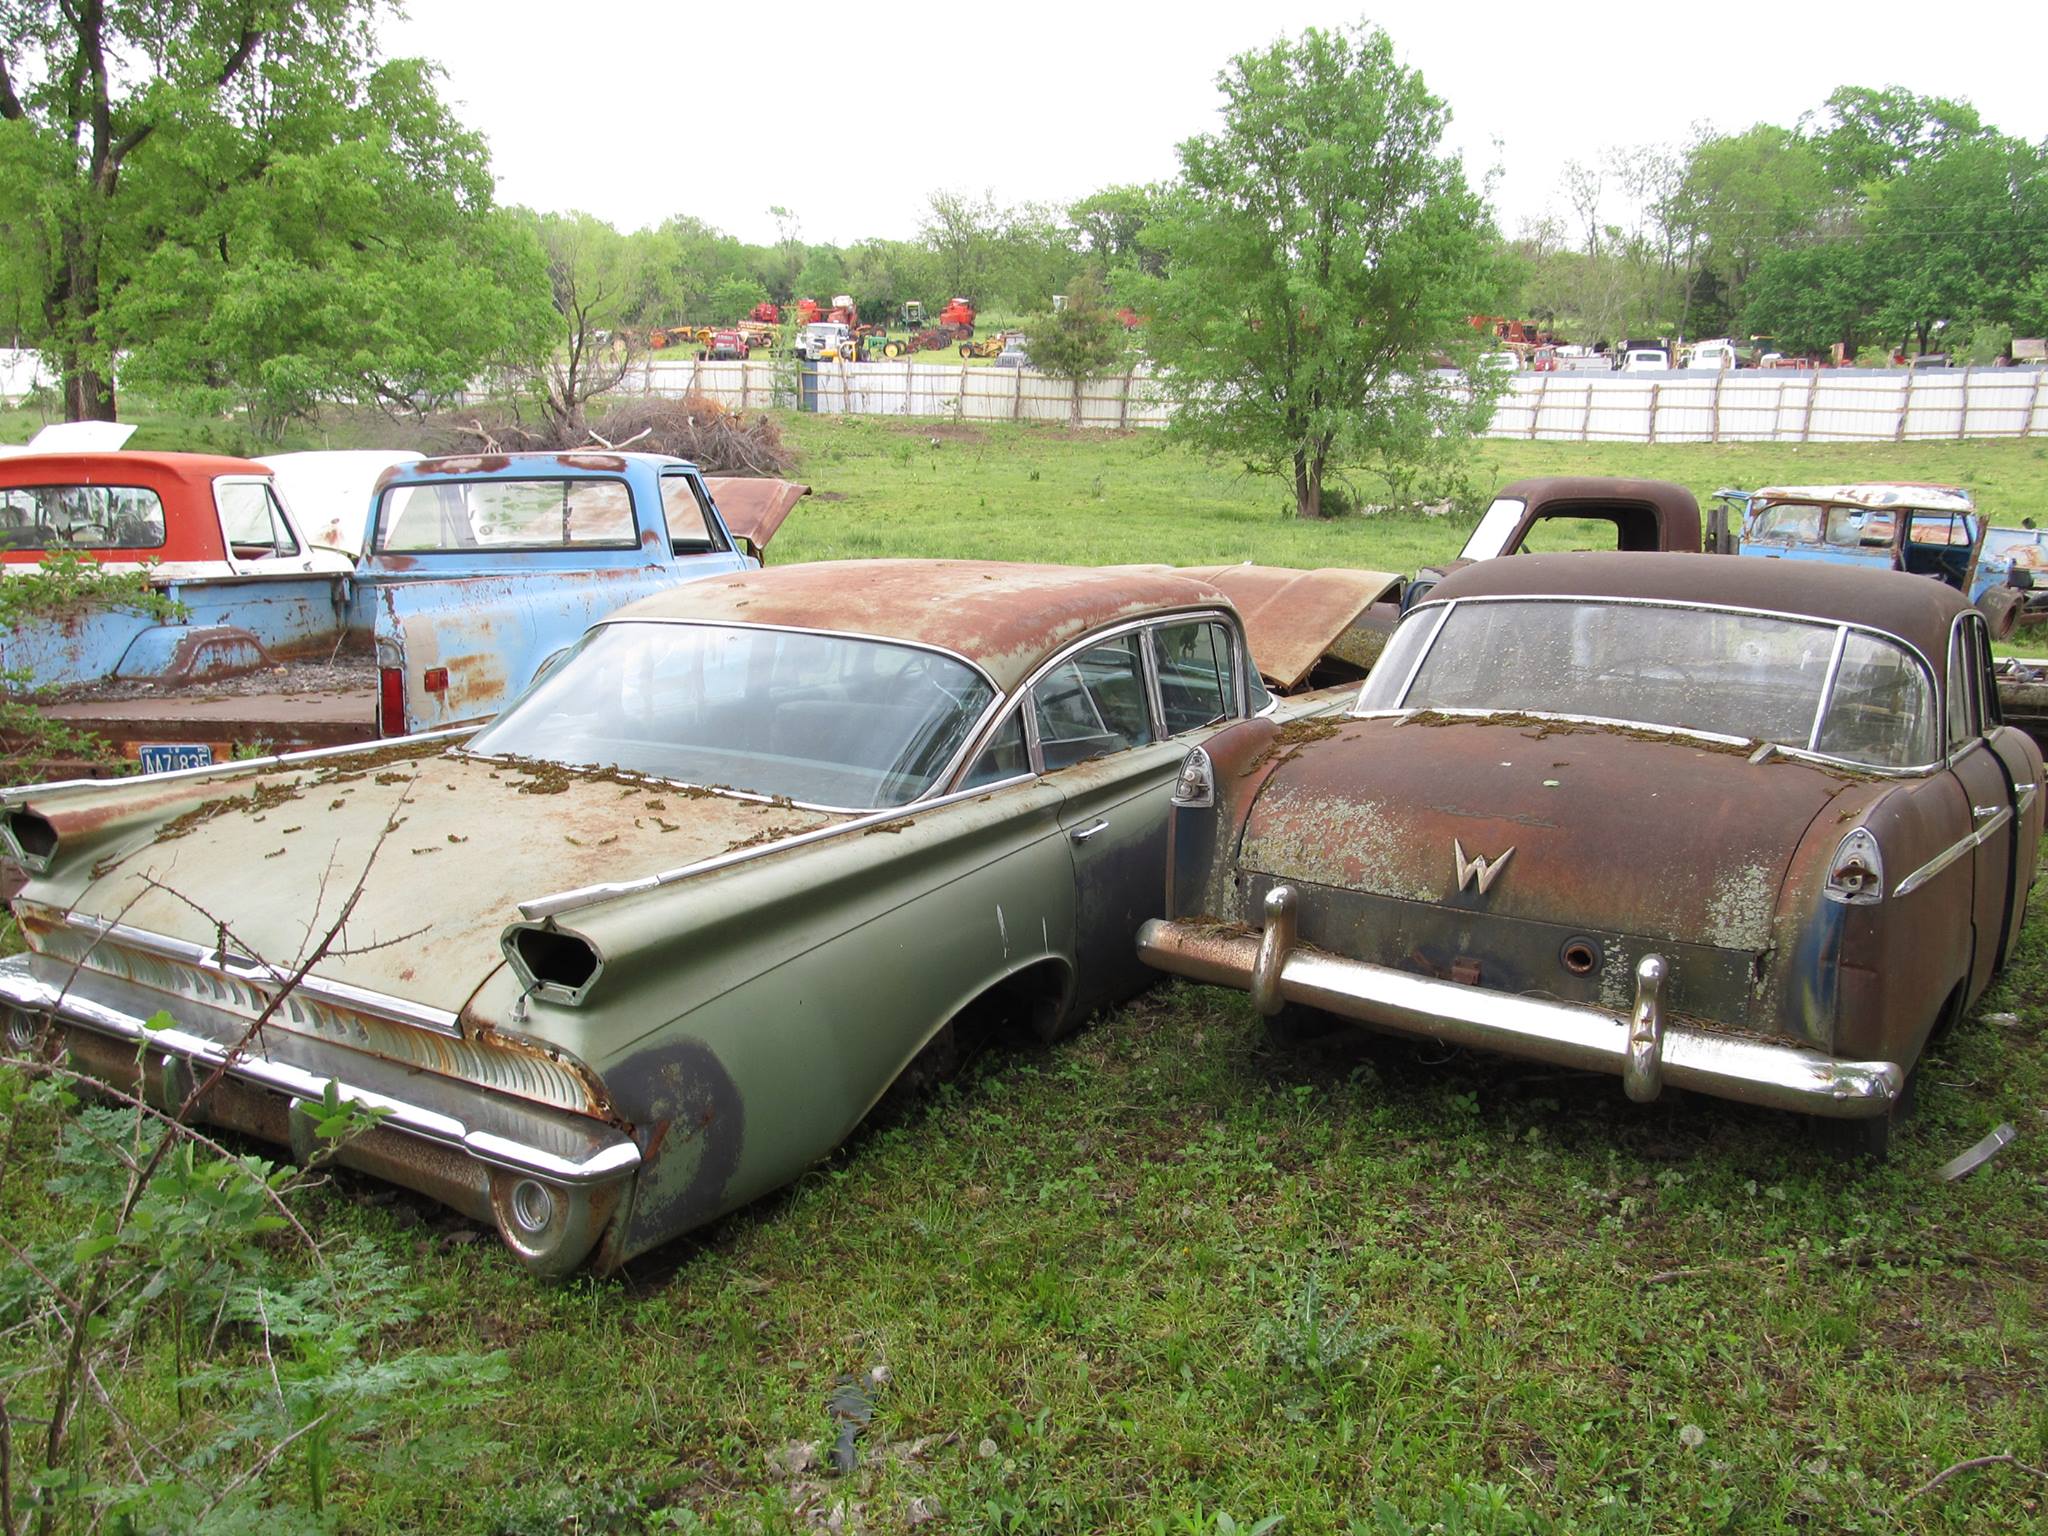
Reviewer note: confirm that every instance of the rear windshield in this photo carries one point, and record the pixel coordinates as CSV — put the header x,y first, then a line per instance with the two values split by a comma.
x,y
586,512
824,719
1752,676
49,517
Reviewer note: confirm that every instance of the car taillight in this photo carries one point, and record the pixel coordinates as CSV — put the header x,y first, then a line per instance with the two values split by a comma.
x,y
1857,874
1195,787
391,701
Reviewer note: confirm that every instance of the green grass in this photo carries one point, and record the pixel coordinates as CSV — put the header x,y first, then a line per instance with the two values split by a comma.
x,y
1165,1272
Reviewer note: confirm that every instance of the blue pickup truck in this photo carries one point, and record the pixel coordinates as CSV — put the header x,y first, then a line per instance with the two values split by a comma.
x,y
468,574
1927,530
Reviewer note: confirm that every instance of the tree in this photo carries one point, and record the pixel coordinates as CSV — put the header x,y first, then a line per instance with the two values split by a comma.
x,y
254,156
1744,194
1321,252
734,299
1083,340
1112,225
584,271
960,232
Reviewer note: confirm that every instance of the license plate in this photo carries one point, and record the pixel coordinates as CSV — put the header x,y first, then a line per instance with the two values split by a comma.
x,y
165,759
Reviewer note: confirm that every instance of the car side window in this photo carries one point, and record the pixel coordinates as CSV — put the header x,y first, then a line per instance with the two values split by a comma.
x,y
253,521
690,529
1003,758
1197,674
1092,705
1962,723
1987,682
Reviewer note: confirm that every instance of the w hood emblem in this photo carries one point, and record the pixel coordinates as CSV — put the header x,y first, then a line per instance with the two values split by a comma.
x,y
1487,870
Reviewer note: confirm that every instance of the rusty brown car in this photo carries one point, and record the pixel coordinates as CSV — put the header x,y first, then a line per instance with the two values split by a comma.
x,y
660,935
1722,825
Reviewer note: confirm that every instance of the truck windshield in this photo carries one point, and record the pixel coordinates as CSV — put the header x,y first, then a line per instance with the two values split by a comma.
x,y
1750,676
823,719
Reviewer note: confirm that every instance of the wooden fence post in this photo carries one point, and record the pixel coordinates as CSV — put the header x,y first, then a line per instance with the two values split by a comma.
x,y
1536,410
1586,416
1017,399
960,396
1806,423
1123,400
1719,379
1963,416
1654,390
1905,409
2033,403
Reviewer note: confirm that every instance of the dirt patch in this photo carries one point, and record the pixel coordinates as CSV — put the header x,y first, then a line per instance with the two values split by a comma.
x,y
1288,741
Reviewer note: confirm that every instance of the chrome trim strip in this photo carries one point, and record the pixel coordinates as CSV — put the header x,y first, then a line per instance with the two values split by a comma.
x,y
613,1156
1949,855
236,766
555,904
261,976
1780,1076
809,629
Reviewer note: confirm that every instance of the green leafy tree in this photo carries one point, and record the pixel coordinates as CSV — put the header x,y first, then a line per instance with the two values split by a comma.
x,y
194,169
734,298
1080,341
1743,195
1111,225
1809,297
1321,252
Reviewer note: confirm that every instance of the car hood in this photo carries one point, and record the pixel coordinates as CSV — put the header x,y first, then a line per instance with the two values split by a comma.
x,y
445,847
1615,829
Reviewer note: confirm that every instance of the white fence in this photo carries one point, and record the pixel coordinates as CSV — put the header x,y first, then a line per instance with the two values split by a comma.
x,y
1774,405
21,374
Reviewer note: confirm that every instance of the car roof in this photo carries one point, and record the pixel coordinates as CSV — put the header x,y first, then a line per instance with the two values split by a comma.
x,y
1916,609
579,461
123,467
1006,618
1877,493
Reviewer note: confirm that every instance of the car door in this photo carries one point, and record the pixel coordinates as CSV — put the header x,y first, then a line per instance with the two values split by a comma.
x,y
2021,760
1111,726
1988,789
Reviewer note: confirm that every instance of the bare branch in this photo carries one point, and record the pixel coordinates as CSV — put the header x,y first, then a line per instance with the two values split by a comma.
x,y
1972,1465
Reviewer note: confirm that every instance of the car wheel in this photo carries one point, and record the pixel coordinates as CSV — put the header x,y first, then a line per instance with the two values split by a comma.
x,y
2001,609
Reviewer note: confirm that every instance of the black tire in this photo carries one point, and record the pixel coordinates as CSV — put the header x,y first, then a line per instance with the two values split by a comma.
x,y
2001,609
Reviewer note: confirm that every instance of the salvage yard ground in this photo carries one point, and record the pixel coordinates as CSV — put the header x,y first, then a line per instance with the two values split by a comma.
x,y
1166,1273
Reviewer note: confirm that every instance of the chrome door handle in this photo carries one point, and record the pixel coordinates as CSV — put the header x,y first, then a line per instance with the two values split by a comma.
x,y
1981,811
1082,834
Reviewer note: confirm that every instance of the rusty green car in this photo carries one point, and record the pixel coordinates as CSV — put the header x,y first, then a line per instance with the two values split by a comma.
x,y
658,937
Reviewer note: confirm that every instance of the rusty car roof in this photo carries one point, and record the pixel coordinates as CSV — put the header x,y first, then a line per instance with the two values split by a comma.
x,y
1675,509
1004,617
1877,494
123,467
1293,618
1913,608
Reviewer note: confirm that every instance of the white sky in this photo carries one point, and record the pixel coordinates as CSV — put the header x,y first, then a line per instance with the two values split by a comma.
x,y
850,114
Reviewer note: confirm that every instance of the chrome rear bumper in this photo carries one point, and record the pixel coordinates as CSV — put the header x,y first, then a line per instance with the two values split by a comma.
x,y
489,1128
1645,1050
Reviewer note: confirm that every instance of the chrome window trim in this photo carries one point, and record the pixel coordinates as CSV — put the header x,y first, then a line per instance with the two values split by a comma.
x,y
819,631
258,972
1913,652
1240,693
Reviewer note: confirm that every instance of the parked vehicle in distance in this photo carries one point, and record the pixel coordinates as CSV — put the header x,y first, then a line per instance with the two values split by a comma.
x,y
1930,360
1015,354
660,936
1720,353
1498,362
824,339
478,569
1646,360
1543,360
1926,530
1487,850
725,347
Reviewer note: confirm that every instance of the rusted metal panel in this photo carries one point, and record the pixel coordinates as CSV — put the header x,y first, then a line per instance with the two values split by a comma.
x,y
1003,617
754,508
1294,618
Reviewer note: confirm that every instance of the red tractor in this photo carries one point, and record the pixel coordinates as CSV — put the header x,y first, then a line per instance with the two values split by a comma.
x,y
958,317
766,313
